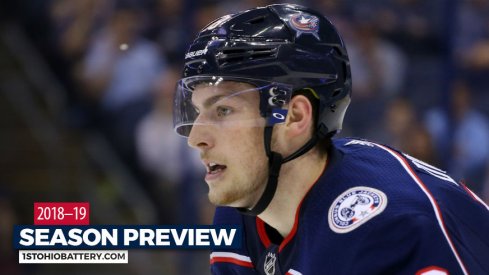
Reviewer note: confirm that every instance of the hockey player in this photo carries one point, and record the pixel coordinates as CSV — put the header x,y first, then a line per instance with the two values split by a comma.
x,y
262,94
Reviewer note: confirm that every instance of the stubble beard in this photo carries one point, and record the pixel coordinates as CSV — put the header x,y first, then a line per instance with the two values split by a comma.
x,y
244,187
243,192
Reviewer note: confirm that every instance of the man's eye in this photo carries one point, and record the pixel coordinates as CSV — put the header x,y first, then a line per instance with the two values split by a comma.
x,y
223,111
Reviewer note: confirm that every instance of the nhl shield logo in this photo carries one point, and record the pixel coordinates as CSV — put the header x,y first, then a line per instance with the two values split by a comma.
x,y
269,266
355,207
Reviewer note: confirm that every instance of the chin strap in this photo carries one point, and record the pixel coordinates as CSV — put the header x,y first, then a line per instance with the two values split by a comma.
x,y
275,161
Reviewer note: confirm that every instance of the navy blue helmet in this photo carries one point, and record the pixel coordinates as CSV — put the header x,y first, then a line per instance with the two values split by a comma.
x,y
286,44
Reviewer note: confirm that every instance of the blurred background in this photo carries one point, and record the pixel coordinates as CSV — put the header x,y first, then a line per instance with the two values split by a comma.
x,y
86,93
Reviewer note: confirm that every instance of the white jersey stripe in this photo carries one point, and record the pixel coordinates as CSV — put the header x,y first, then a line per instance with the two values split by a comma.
x,y
230,255
432,201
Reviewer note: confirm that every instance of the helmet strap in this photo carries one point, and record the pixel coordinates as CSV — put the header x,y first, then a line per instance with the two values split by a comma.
x,y
320,134
275,161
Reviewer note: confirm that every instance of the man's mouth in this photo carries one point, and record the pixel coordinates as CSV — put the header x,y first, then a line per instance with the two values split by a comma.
x,y
215,168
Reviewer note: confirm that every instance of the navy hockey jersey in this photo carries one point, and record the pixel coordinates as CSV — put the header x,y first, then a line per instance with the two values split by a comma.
x,y
373,210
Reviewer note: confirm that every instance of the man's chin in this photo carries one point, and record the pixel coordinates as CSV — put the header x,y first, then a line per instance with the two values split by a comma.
x,y
223,200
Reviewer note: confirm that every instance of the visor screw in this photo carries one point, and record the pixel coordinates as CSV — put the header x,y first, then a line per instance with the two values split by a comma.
x,y
333,107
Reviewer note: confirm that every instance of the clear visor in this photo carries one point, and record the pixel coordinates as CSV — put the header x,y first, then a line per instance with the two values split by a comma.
x,y
219,101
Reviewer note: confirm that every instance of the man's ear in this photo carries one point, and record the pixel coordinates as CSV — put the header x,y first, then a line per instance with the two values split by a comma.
x,y
299,117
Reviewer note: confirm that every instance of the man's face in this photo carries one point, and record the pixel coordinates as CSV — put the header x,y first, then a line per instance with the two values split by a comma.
x,y
228,134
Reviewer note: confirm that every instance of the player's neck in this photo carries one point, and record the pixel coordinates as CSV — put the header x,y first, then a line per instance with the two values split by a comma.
x,y
295,180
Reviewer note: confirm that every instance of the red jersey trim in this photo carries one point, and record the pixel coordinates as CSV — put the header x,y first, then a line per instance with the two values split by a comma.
x,y
432,268
474,196
260,225
232,258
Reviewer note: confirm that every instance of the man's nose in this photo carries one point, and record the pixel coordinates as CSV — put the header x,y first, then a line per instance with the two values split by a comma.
x,y
200,137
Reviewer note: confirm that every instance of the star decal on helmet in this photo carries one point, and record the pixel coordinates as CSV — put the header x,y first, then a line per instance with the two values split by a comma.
x,y
305,23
